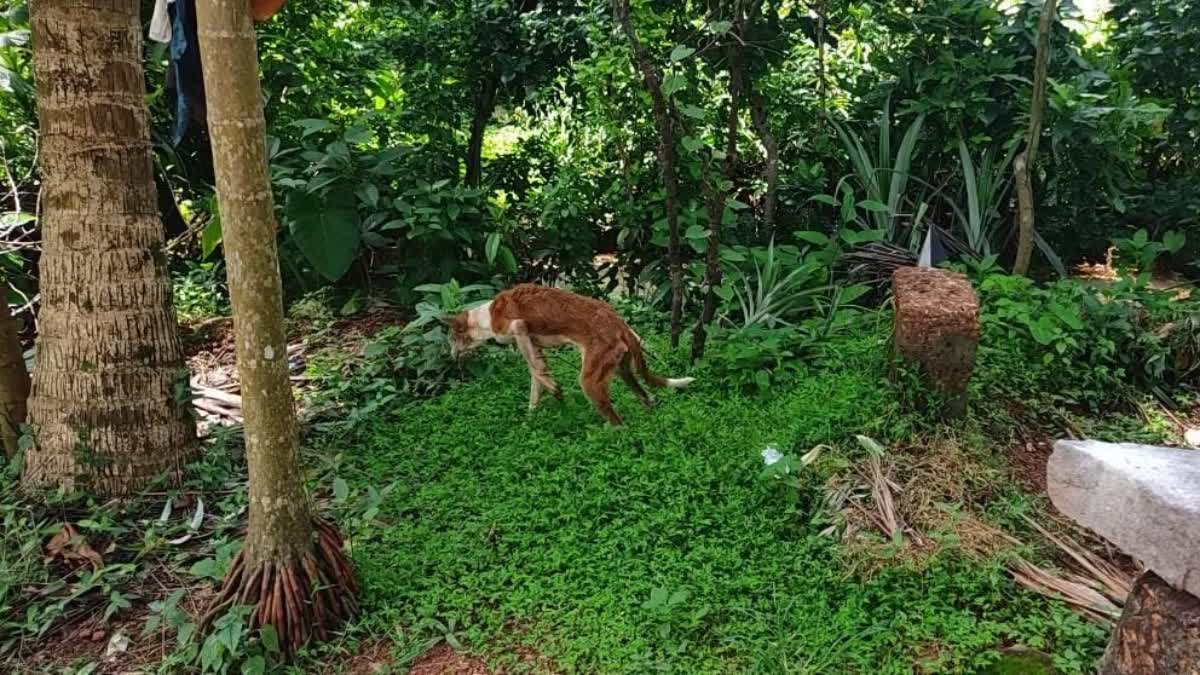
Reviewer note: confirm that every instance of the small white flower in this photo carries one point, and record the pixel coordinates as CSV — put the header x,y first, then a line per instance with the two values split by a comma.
x,y
771,455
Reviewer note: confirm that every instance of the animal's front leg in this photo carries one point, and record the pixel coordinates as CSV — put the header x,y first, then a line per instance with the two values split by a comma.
x,y
533,358
535,391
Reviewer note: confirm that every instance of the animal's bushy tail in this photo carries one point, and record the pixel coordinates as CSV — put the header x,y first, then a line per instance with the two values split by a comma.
x,y
638,357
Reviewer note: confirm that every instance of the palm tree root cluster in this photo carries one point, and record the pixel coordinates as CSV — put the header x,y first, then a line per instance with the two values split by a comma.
x,y
301,599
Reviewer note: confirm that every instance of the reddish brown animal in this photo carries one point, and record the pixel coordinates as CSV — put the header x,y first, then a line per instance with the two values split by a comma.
x,y
534,317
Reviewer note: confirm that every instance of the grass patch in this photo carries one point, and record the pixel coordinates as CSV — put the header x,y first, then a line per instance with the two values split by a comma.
x,y
658,547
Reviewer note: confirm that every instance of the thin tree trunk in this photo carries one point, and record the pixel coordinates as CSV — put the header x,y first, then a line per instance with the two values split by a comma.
x,y
485,105
757,104
762,124
715,196
1025,217
1025,209
822,96
666,158
288,557
14,379
109,399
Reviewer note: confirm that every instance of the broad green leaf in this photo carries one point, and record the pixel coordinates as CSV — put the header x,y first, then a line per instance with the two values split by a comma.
x,y
674,82
860,237
851,293
1174,241
1043,330
1068,315
208,568
357,135
692,144
848,212
681,52
692,111
826,199
312,126
695,232
270,638
873,205
255,665
492,247
369,194
327,234
508,260
210,238
341,491
812,237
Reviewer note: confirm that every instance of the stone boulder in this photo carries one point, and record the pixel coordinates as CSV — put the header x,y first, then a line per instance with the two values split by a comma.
x,y
1144,499
937,328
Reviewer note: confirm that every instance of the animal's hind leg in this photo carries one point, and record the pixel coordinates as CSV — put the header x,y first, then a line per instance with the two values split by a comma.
x,y
594,379
626,372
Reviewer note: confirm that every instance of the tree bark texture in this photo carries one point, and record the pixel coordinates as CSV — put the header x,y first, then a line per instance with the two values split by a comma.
x,y
762,125
291,566
485,105
666,158
14,380
280,525
1025,214
1024,163
1158,634
109,401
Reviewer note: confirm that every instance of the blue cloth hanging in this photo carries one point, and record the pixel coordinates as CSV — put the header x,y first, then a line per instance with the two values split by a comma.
x,y
186,68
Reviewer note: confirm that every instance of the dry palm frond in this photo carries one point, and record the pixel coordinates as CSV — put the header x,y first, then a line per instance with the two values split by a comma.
x,y
934,496
1107,578
1082,597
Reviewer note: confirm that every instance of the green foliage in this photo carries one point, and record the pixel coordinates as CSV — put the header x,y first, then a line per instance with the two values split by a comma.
x,y
519,512
1080,343
199,291
882,175
397,363
985,188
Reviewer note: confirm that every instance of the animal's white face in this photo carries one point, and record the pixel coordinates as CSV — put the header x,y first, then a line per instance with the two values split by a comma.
x,y
465,337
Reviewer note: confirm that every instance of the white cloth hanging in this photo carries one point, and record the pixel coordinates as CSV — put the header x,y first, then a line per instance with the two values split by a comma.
x,y
160,22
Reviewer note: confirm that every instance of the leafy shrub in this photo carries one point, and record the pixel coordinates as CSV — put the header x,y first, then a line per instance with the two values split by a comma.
x,y
1089,344
398,364
200,291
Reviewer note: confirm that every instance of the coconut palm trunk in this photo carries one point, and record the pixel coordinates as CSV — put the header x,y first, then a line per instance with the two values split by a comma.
x,y
109,404
291,565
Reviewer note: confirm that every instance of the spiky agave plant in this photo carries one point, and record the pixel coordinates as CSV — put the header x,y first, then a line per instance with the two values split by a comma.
x,y
882,175
774,294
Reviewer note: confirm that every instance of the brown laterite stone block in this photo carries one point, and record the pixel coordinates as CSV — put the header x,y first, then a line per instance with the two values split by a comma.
x,y
937,328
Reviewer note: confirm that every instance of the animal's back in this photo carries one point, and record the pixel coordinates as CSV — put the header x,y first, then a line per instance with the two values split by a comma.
x,y
555,312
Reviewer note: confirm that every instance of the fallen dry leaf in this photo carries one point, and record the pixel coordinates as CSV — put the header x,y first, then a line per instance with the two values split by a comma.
x,y
68,545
